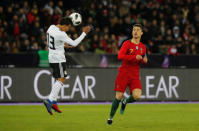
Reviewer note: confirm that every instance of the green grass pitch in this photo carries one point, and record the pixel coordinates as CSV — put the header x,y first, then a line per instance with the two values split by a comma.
x,y
137,117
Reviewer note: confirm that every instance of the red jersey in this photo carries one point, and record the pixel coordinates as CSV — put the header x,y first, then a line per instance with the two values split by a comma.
x,y
128,54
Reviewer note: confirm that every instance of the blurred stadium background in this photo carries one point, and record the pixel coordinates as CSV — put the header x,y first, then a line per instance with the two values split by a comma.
x,y
171,35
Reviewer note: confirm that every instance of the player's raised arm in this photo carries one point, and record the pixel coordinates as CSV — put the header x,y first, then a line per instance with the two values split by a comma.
x,y
75,42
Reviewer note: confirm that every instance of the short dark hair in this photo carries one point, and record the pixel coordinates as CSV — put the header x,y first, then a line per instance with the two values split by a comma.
x,y
65,21
138,25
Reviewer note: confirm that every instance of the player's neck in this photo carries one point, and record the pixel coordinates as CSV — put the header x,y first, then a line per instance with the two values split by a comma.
x,y
58,26
135,41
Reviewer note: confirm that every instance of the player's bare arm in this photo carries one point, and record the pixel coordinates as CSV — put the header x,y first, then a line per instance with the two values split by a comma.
x,y
86,29
145,60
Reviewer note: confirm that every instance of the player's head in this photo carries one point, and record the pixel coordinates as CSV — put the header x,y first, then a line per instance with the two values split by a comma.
x,y
137,31
65,23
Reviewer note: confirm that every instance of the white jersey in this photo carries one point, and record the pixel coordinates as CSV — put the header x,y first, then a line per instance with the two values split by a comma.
x,y
56,40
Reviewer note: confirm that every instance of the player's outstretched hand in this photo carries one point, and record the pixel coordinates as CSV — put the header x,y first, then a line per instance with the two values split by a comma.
x,y
138,57
86,29
145,60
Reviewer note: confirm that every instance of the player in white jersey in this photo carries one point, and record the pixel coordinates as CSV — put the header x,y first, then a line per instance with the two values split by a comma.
x,y
57,39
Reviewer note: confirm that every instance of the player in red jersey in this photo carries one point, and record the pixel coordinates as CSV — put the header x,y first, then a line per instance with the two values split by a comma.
x,y
132,54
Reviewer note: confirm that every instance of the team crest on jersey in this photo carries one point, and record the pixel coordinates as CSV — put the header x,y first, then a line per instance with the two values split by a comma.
x,y
136,47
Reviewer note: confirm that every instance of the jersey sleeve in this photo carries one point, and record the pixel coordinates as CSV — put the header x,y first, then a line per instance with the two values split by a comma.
x,y
71,42
122,53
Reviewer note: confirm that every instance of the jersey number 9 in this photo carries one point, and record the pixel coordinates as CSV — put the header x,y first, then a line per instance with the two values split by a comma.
x,y
51,42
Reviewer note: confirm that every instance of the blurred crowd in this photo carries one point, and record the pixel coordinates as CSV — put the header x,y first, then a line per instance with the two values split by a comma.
x,y
170,26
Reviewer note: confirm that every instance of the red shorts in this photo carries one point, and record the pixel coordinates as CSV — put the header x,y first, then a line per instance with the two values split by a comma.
x,y
124,79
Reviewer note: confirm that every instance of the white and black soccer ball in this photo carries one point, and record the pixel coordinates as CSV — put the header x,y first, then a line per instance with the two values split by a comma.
x,y
76,18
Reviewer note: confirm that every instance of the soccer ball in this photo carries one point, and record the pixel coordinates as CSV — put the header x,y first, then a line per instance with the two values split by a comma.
x,y
76,18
